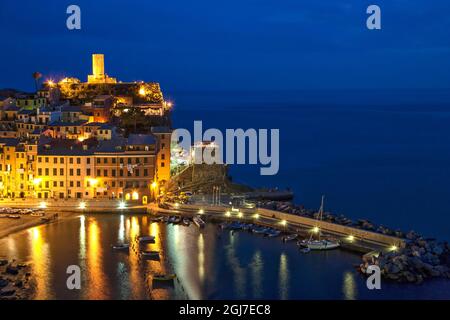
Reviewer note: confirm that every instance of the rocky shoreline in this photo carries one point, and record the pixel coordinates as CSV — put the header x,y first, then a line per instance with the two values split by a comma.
x,y
418,260
15,280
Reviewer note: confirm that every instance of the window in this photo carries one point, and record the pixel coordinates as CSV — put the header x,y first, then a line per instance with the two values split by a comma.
x,y
105,160
145,160
71,184
145,172
78,160
61,160
163,145
39,171
121,173
162,164
105,173
71,160
70,172
61,183
163,156
113,172
98,160
61,171
113,184
113,160
47,171
55,160
136,172
39,159
78,172
46,159
129,161
47,184
55,171
78,184
88,172
88,160
55,184
98,172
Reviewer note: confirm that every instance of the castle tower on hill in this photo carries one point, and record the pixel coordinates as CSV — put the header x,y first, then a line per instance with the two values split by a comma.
x,y
98,70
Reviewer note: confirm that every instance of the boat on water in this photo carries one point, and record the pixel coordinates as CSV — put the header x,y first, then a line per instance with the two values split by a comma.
x,y
319,244
199,222
290,237
149,254
146,238
177,220
273,233
186,222
157,219
164,277
14,216
259,230
37,214
121,246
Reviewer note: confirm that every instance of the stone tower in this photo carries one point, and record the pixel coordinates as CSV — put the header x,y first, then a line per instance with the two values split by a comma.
x,y
98,70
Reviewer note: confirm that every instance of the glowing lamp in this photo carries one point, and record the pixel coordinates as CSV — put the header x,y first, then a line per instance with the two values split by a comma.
x,y
316,230
82,205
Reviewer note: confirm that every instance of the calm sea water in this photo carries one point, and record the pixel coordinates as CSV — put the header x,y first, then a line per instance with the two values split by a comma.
x,y
210,264
383,156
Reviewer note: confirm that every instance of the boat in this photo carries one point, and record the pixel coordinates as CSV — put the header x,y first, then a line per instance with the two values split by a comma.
x,y
157,219
146,238
164,277
320,244
149,254
121,246
273,233
199,222
186,222
259,230
290,237
37,214
14,216
177,220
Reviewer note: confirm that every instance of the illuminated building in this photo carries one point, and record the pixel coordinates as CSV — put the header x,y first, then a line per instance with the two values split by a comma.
x,y
98,70
163,135
104,169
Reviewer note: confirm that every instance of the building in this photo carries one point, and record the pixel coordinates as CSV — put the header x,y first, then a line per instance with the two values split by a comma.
x,y
98,70
163,135
17,165
121,168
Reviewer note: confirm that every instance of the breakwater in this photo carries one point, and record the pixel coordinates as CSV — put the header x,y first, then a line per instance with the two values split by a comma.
x,y
361,240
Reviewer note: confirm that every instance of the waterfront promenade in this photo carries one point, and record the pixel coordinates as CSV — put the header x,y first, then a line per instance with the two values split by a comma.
x,y
350,237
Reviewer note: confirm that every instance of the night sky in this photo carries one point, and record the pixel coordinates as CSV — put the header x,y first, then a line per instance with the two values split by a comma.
x,y
231,45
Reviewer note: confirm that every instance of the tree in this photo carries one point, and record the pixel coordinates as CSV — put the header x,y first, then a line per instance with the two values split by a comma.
x,y
36,77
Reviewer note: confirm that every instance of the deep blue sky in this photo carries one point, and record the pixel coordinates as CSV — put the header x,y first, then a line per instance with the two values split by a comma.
x,y
233,44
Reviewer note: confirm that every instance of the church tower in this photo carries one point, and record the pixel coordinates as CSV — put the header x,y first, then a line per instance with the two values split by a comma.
x,y
98,70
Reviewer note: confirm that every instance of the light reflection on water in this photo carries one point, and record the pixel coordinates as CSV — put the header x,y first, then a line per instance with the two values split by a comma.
x,y
210,264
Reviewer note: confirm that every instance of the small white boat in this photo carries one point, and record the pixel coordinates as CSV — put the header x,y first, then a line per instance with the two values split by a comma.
x,y
199,222
186,222
14,216
122,246
290,237
146,238
320,244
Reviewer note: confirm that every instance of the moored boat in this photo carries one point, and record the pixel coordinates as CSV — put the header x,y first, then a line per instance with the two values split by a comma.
x,y
320,244
121,246
186,222
146,238
199,222
149,254
290,237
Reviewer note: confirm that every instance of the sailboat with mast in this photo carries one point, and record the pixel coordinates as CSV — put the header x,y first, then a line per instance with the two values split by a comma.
x,y
319,243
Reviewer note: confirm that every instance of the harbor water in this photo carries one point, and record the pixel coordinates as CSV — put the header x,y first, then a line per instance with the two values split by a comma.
x,y
209,264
